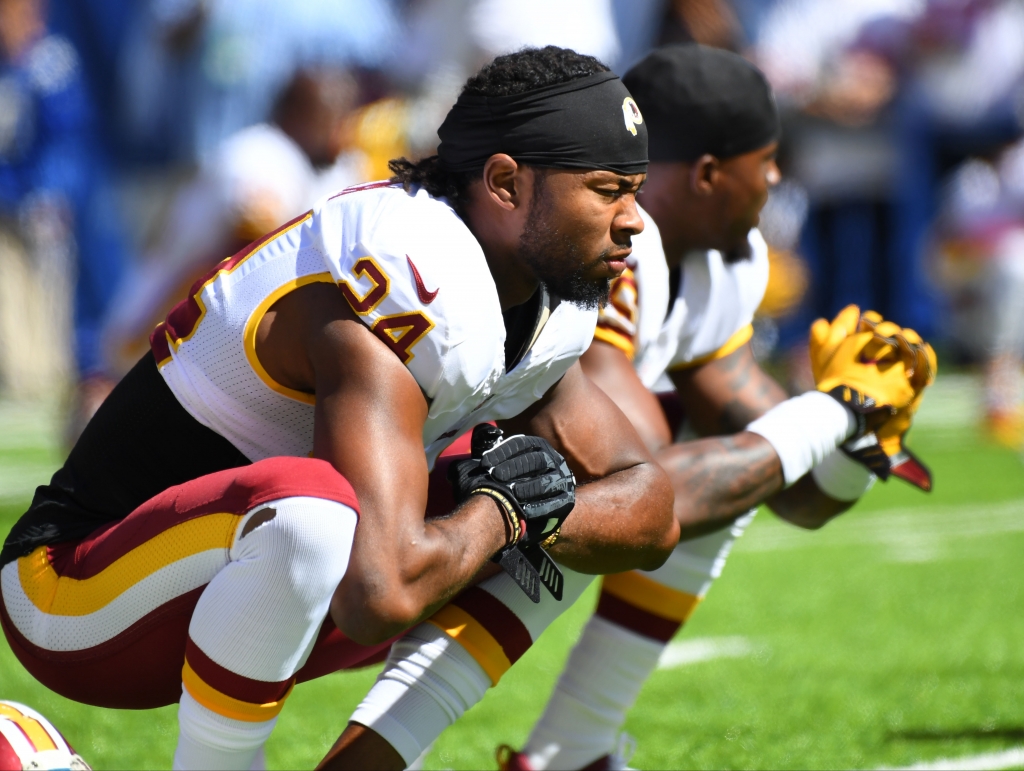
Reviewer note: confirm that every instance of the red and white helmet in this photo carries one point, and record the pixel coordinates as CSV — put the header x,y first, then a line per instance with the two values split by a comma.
x,y
29,741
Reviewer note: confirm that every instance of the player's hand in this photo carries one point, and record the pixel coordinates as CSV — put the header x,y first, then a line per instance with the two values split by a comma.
x,y
880,372
525,475
862,361
897,460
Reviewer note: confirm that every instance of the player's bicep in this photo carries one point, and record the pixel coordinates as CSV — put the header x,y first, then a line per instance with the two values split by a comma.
x,y
609,368
369,417
583,424
723,395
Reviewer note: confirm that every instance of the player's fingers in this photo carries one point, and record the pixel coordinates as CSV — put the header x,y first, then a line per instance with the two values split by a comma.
x,y
912,337
887,329
818,336
878,349
540,487
523,465
868,320
847,319
838,331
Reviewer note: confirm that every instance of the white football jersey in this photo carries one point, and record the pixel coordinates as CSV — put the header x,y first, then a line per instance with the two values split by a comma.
x,y
711,314
412,271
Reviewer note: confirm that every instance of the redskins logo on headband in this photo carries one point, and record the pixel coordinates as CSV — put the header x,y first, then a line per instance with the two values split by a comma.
x,y
542,127
631,115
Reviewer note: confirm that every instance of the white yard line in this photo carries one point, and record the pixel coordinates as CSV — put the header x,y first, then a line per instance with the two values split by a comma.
x,y
697,649
916,533
984,762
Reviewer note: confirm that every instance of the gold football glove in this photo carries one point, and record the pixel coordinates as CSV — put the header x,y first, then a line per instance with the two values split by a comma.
x,y
880,372
859,360
901,462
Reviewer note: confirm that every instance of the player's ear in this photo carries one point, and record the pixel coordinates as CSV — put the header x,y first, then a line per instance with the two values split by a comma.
x,y
704,175
501,181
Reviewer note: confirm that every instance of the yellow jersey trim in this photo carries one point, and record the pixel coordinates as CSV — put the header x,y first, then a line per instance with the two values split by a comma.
x,y
177,342
64,596
619,340
733,344
253,325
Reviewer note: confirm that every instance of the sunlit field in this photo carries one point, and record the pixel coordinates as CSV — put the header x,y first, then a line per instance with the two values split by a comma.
x,y
893,637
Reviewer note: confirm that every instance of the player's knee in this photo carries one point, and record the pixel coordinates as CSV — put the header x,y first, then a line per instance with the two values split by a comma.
x,y
309,538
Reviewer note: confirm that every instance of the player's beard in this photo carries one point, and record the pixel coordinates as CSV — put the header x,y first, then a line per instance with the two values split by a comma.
x,y
556,260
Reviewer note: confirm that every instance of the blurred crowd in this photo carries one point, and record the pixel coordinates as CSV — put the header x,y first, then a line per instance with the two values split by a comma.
x,y
141,141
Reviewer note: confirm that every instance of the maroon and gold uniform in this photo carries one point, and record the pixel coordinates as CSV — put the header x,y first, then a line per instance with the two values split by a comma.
x,y
195,480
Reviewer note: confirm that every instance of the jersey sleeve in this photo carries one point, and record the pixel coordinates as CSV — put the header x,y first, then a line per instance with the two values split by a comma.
x,y
618,319
414,274
722,297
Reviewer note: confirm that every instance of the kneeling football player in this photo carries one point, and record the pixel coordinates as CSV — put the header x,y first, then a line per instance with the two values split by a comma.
x,y
200,545
684,310
713,134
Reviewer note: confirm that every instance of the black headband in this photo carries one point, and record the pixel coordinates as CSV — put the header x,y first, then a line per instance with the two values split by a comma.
x,y
698,100
587,123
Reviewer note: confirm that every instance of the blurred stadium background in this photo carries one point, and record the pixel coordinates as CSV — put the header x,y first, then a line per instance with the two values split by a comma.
x,y
141,141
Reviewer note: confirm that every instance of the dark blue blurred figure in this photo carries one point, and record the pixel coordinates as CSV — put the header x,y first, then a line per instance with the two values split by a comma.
x,y
53,175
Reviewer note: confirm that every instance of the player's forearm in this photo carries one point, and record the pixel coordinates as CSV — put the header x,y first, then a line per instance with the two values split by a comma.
x,y
716,479
399,577
620,522
805,505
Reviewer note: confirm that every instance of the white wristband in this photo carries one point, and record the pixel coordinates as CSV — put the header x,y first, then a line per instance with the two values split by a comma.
x,y
804,430
841,477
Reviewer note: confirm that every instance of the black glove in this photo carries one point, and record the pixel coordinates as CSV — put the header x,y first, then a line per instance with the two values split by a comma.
x,y
535,490
524,473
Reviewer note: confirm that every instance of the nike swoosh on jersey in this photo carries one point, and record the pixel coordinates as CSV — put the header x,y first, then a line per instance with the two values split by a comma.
x,y
425,297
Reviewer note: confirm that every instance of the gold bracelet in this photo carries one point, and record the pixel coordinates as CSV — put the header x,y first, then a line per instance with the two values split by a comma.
x,y
548,542
516,527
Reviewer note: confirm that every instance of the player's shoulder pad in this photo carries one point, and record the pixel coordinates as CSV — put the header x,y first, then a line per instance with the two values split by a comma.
x,y
412,270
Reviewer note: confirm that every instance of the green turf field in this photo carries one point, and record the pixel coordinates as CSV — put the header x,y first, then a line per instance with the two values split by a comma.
x,y
894,636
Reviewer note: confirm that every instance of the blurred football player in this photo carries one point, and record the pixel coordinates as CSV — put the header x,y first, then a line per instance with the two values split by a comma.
x,y
256,180
193,546
978,260
55,193
684,321
683,308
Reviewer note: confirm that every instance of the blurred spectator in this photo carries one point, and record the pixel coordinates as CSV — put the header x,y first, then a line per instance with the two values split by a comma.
x,y
501,26
196,71
60,234
709,22
258,179
962,70
838,145
882,96
99,31
448,40
977,258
